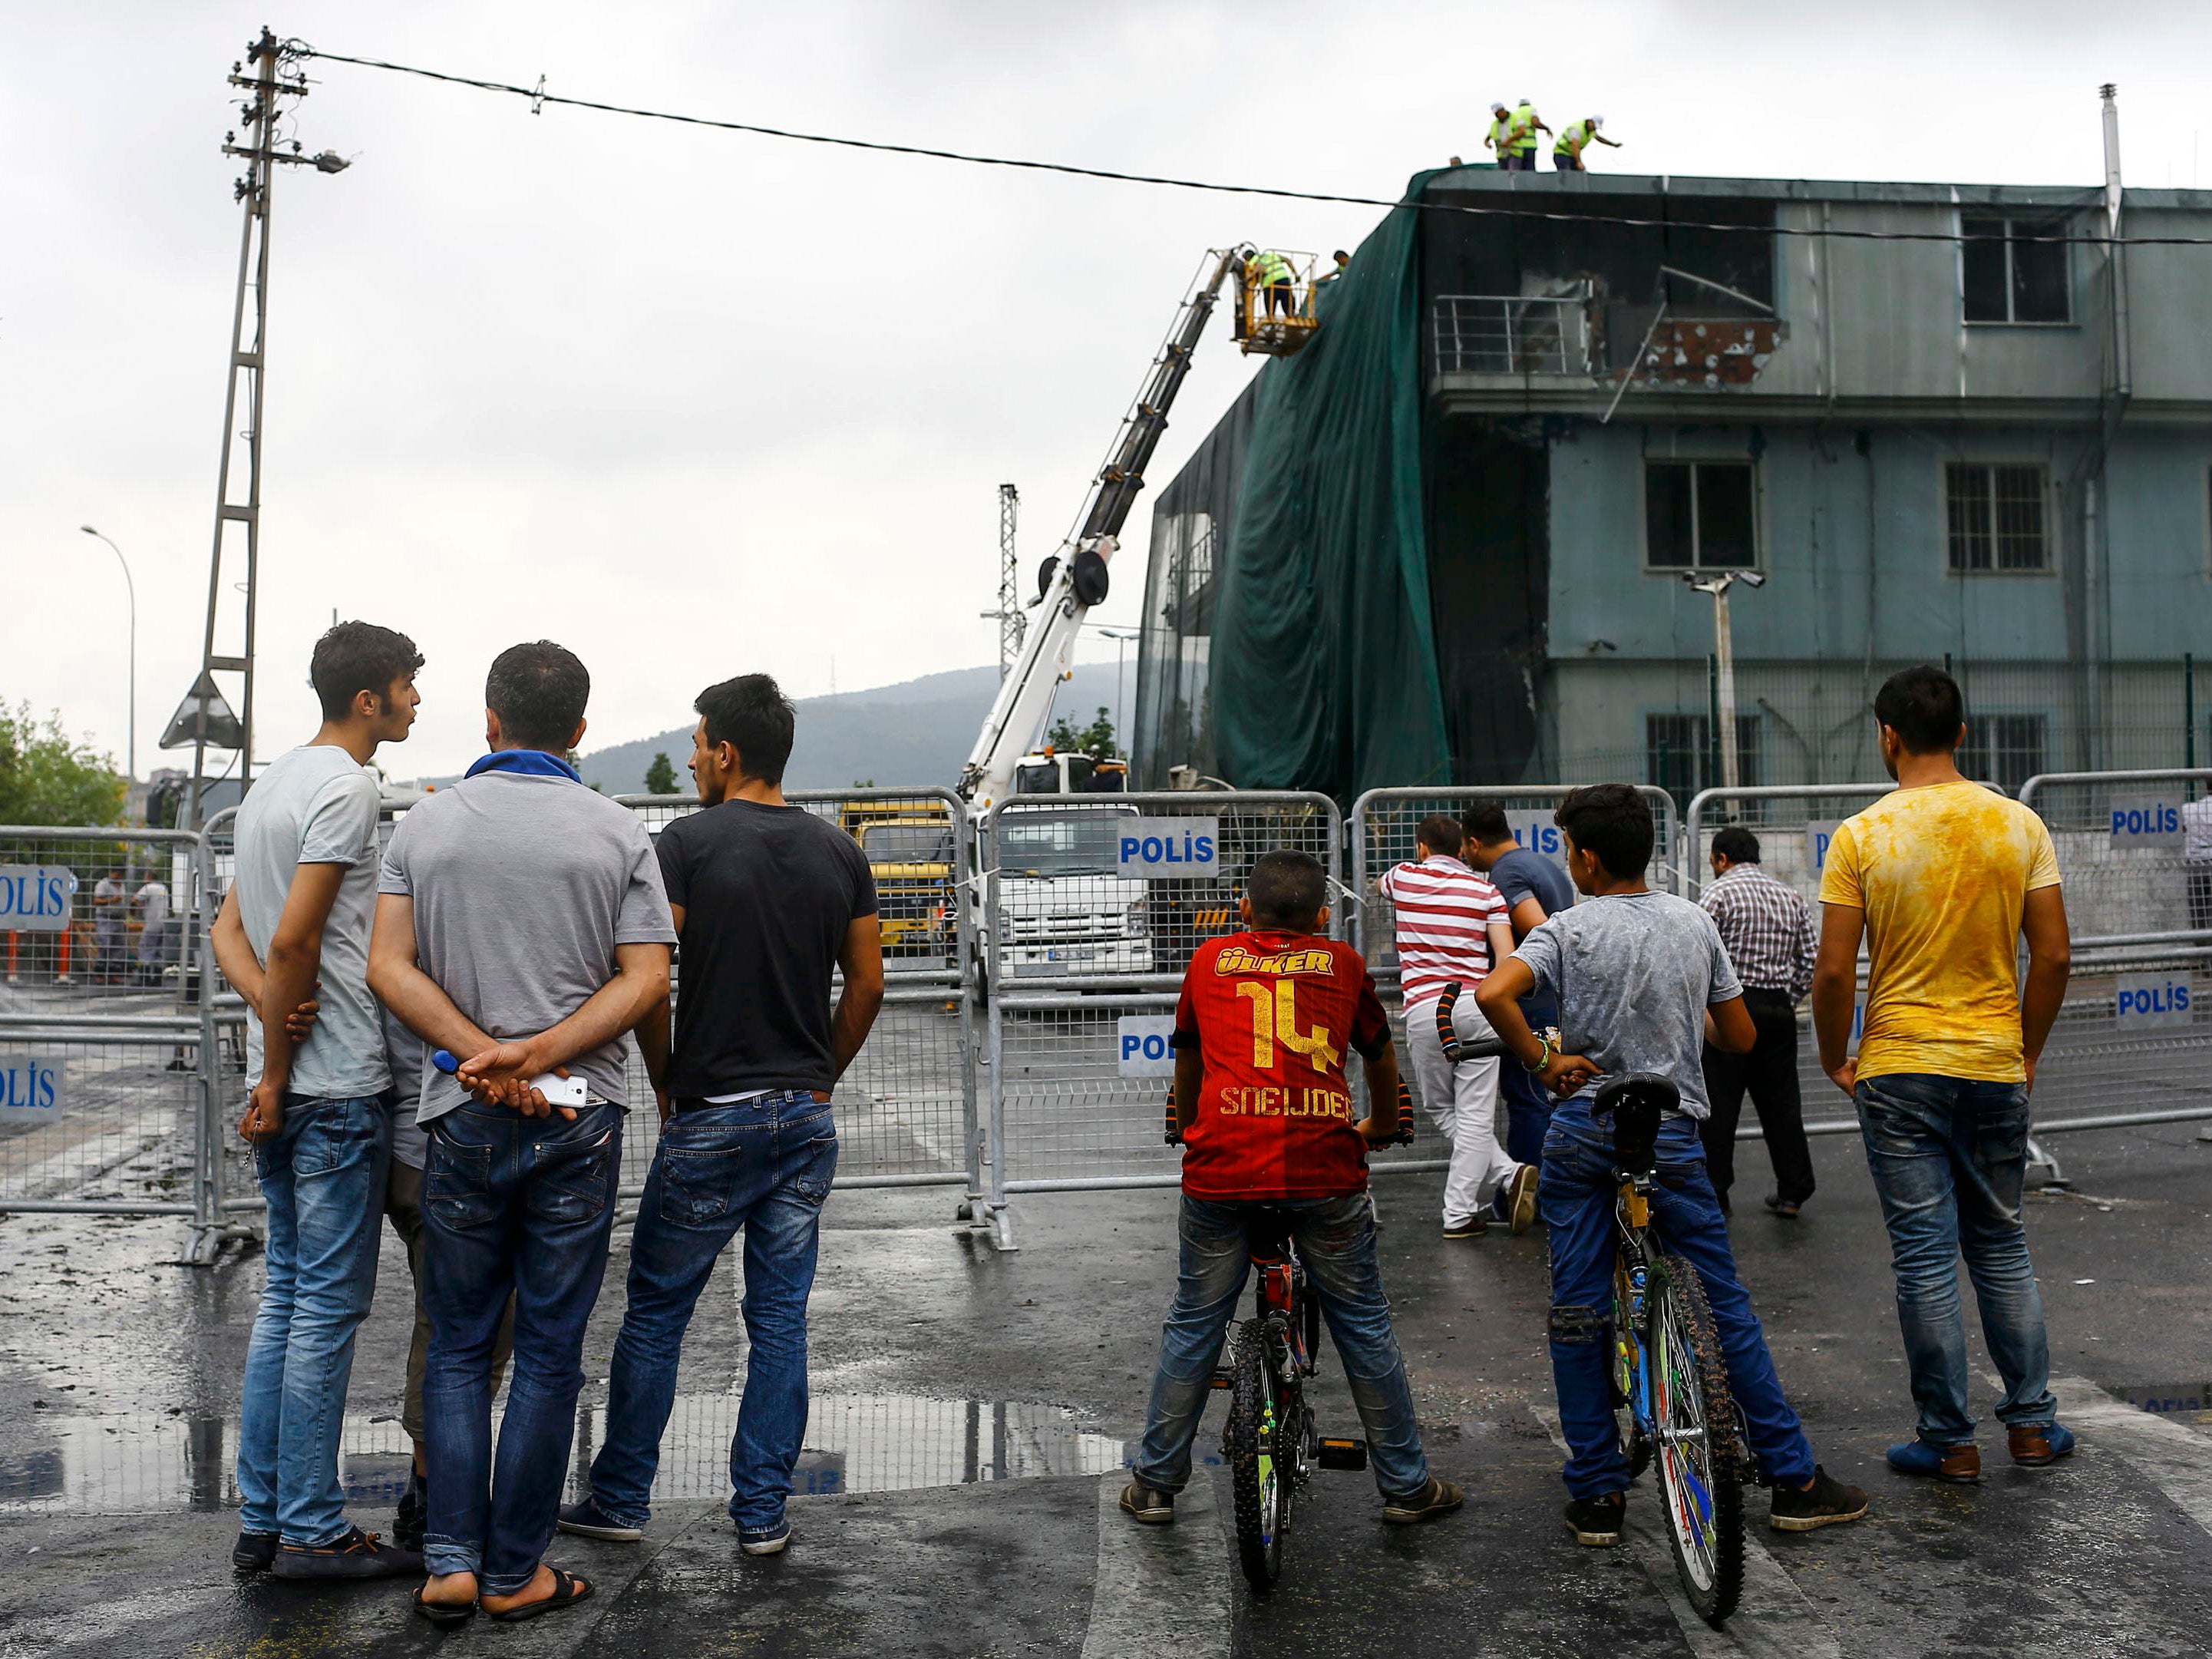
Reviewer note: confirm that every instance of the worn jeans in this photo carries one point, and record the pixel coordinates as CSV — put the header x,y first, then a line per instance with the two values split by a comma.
x,y
1577,1199
1949,1158
1335,1239
320,1178
403,1208
765,1165
520,1204
1529,1103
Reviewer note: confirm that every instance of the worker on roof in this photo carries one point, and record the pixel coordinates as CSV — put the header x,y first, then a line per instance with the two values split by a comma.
x,y
1574,139
1270,270
1499,139
1521,137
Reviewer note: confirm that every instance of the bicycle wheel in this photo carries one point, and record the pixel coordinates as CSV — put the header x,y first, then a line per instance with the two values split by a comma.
x,y
1258,1479
1699,1459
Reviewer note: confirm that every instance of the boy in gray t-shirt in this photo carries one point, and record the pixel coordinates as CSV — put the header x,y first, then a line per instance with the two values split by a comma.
x,y
1641,979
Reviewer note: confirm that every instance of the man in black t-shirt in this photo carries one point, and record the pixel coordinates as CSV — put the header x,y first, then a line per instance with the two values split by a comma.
x,y
770,901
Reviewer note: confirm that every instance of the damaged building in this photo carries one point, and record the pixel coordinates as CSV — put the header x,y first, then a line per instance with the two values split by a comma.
x,y
1448,542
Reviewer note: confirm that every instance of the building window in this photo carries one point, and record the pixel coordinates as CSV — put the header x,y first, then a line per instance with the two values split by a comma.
x,y
1678,756
1996,517
2006,750
1698,515
2010,276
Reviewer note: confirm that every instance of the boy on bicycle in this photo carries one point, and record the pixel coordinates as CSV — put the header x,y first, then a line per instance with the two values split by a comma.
x,y
1641,979
1261,1031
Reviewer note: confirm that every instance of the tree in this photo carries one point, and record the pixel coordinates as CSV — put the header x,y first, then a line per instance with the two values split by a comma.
x,y
47,778
1095,739
660,776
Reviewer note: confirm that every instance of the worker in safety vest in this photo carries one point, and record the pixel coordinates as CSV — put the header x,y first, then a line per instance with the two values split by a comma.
x,y
1498,140
1578,136
1343,263
1520,138
1269,271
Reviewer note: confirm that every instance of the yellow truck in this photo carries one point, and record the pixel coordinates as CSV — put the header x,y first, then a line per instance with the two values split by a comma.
x,y
908,846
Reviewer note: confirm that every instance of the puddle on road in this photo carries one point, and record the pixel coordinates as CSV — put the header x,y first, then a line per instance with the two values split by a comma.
x,y
857,1442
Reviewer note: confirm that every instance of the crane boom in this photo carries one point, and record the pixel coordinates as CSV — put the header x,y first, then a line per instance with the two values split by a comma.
x,y
1070,587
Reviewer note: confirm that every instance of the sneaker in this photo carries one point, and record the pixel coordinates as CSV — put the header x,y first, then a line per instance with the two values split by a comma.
x,y
254,1551
356,1554
588,1520
1473,1227
764,1541
1595,1521
2035,1445
1960,1465
1148,1506
411,1521
1786,1208
1827,1503
1438,1498
1519,1203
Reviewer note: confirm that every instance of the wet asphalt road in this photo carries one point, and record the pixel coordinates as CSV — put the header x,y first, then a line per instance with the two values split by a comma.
x,y
970,1413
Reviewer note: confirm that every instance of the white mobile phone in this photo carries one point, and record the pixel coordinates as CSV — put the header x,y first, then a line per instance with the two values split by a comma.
x,y
559,1090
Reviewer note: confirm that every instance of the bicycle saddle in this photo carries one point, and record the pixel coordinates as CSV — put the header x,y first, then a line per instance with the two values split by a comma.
x,y
1636,1103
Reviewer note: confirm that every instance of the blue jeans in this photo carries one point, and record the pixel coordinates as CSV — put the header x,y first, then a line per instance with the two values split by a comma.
x,y
1335,1239
1949,1158
323,1180
1578,1201
765,1165
520,1205
1527,1103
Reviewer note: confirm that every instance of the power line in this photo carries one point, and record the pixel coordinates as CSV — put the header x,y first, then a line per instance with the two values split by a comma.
x,y
539,97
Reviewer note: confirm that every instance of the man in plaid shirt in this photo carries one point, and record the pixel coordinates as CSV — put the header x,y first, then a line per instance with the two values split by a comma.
x,y
1772,943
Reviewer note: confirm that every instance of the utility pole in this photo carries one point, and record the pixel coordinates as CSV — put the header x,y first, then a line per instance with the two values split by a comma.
x,y
1724,660
266,87
1012,621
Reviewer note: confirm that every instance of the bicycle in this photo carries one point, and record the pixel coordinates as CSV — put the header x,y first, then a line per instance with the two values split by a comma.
x,y
1269,1441
1668,1372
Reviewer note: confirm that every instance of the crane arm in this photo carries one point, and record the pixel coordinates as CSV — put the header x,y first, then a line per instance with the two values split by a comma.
x,y
1070,587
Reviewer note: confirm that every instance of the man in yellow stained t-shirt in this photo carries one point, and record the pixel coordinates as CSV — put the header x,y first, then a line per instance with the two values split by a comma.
x,y
1943,876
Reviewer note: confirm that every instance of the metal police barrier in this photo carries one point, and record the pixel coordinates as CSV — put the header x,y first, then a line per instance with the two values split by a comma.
x,y
1092,906
102,1098
2132,1027
907,1111
1380,832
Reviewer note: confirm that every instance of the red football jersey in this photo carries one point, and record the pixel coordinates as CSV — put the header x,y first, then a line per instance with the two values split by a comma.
x,y
1273,1015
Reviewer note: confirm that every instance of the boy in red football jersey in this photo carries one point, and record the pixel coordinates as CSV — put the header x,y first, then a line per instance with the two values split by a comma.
x,y
1266,1020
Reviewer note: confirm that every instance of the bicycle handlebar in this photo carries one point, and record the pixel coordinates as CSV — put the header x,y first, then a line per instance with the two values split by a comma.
x,y
1454,1050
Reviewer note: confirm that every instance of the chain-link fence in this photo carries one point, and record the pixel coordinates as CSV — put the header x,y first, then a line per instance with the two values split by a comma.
x,y
1092,909
100,1087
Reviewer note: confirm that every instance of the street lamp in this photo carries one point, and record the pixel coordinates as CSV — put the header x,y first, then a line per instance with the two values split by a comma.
x,y
1120,636
1724,651
131,588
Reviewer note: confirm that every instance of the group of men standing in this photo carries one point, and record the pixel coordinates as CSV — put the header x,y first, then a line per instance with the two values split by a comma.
x,y
1512,139
442,1033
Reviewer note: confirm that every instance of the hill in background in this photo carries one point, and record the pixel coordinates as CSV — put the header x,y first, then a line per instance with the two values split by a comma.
x,y
918,731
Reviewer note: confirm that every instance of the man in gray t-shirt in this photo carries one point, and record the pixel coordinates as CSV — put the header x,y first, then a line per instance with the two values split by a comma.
x,y
293,940
522,926
1640,977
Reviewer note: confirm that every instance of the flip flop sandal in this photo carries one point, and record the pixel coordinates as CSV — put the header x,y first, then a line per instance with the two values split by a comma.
x,y
563,1583
446,1615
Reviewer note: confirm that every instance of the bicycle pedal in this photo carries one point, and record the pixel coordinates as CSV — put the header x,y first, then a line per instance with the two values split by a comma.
x,y
1223,1378
1343,1455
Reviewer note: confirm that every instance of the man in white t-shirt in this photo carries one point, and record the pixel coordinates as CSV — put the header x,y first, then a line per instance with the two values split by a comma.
x,y
111,909
1452,927
151,902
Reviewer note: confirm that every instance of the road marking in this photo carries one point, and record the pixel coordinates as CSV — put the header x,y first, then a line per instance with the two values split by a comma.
x,y
1774,1620
1160,1588
2174,1459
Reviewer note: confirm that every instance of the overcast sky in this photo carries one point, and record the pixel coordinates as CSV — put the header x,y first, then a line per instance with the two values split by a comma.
x,y
695,403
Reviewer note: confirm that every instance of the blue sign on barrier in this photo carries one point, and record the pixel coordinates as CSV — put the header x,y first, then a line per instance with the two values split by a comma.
x,y
2146,821
1142,1047
30,1088
1535,832
36,898
1818,834
1168,849
2152,1001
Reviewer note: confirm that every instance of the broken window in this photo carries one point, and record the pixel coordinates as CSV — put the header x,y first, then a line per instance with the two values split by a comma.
x,y
1698,515
1995,517
2012,273
2006,750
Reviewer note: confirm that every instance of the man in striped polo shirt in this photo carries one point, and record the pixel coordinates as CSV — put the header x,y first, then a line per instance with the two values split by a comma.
x,y
1451,928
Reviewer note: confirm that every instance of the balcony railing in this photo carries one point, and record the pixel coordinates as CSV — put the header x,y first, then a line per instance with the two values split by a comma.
x,y
1510,334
